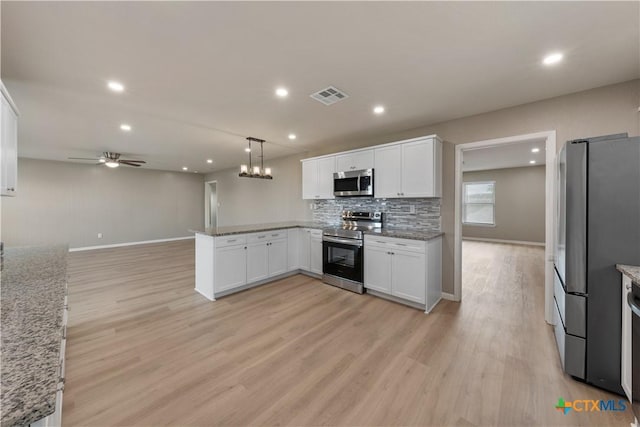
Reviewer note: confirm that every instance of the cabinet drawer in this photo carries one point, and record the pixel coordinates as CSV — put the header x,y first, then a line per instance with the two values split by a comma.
x,y
315,233
394,243
258,237
223,241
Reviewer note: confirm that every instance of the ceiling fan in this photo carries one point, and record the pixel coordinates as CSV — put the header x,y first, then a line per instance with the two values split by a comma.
x,y
112,160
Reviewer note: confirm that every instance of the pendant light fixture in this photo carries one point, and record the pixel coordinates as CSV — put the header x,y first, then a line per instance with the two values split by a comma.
x,y
251,171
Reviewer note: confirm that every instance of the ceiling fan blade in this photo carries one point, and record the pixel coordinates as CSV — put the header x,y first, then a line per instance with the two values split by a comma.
x,y
132,161
128,163
81,158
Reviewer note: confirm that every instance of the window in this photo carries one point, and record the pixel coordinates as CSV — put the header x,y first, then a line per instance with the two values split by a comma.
x,y
479,203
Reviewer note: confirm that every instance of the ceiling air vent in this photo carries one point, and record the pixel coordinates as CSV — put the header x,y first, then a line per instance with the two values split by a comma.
x,y
329,95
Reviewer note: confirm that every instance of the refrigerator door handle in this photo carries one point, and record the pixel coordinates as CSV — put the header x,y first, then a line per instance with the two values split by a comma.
x,y
631,301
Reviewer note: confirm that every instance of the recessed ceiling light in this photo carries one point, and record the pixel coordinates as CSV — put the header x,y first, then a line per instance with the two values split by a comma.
x,y
125,127
184,168
195,171
209,161
553,58
535,150
248,150
115,86
292,136
282,92
532,162
378,109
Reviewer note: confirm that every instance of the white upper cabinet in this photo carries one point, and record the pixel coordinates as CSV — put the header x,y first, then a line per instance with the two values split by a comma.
x,y
8,147
410,169
403,169
317,178
354,161
388,171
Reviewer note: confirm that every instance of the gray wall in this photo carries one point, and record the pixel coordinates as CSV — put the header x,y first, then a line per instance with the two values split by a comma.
x,y
600,111
255,201
61,202
519,204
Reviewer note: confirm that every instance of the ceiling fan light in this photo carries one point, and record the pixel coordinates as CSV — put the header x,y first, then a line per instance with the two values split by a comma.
x,y
112,164
102,160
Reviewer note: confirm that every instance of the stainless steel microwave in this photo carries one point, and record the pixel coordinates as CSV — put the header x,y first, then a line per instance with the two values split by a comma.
x,y
353,183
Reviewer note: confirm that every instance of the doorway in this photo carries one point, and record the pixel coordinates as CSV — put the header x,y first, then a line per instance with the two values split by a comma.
x,y
548,143
211,204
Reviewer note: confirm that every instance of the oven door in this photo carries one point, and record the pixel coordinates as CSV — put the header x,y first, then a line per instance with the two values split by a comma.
x,y
342,258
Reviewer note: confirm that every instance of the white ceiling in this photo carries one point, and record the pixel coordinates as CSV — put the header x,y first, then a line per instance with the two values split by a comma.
x,y
504,156
200,76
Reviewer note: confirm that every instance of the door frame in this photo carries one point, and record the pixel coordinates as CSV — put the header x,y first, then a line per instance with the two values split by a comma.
x,y
207,197
550,209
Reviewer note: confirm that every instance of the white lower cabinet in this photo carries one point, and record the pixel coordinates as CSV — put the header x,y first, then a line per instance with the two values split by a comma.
x,y
310,250
230,267
625,360
406,269
315,252
277,255
377,274
225,263
257,261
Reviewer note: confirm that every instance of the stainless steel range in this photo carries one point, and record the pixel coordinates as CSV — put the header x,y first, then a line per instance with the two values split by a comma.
x,y
343,250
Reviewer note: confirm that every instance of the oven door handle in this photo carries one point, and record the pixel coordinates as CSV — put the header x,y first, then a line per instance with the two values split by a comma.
x,y
349,242
631,301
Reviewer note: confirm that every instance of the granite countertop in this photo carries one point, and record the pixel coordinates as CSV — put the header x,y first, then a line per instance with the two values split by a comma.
x,y
632,271
34,285
255,228
408,234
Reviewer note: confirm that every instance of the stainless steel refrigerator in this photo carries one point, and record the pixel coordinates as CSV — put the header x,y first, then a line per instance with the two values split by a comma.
x,y
598,226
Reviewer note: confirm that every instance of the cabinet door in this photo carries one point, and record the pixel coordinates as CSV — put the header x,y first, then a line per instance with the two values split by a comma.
x,y
388,172
277,257
9,148
354,161
377,269
257,262
231,267
309,179
409,276
625,360
326,168
418,169
304,245
293,243
315,255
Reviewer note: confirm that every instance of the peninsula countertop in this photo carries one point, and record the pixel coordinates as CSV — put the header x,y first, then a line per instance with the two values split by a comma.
x,y
400,233
633,271
34,285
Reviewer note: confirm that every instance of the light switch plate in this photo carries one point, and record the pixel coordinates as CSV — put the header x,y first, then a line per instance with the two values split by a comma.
x,y
412,209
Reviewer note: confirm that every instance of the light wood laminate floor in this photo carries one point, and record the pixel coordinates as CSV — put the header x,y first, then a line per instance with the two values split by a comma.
x,y
145,349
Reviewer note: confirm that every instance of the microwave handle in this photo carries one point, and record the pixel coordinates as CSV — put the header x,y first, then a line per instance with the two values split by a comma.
x,y
359,178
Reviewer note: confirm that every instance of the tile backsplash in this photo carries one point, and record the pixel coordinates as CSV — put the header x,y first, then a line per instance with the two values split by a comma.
x,y
397,212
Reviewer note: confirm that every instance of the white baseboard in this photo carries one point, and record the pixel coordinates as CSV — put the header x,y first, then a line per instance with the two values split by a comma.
x,y
513,242
448,296
117,245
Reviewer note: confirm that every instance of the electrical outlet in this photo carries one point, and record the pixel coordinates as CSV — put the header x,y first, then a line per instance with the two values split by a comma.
x,y
412,209
99,235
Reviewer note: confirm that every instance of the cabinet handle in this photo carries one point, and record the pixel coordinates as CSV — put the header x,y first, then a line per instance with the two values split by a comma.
x,y
245,247
261,237
401,244
393,253
11,189
231,241
627,287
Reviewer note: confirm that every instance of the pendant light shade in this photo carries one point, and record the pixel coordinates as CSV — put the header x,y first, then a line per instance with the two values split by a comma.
x,y
251,171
